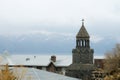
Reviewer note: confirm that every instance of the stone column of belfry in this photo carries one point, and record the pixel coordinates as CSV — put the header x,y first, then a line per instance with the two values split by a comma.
x,y
82,55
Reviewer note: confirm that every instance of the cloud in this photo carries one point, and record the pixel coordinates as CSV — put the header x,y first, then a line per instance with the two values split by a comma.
x,y
54,12
38,35
50,35
44,32
47,33
96,38
23,16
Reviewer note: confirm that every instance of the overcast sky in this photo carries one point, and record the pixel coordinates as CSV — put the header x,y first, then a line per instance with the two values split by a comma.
x,y
26,17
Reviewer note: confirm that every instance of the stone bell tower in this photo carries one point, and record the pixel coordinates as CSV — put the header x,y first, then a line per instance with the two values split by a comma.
x,y
82,63
82,53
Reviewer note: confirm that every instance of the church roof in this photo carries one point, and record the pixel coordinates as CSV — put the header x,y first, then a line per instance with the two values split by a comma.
x,y
82,32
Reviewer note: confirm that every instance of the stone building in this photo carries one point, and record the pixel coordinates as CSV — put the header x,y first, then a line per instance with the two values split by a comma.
x,y
99,63
54,63
82,62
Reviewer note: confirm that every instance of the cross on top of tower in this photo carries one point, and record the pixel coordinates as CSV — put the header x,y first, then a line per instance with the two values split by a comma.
x,y
82,22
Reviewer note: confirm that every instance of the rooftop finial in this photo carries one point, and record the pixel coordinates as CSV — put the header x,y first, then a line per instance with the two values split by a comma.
x,y
82,22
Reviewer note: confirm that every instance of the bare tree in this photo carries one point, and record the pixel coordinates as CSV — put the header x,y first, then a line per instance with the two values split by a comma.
x,y
112,63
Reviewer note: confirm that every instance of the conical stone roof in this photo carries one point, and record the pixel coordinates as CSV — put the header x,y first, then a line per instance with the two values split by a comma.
x,y
82,33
